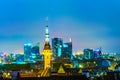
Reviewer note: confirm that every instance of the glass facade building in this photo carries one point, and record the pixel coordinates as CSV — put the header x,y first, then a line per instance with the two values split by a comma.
x,y
27,51
88,53
57,46
67,50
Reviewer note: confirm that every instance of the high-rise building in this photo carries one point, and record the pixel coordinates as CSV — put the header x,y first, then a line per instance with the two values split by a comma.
x,y
67,50
97,53
88,53
35,52
27,51
57,47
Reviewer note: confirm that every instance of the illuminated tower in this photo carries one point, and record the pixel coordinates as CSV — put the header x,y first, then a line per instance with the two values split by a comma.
x,y
47,50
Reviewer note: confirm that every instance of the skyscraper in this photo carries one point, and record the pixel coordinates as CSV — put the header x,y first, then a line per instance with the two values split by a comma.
x,y
35,52
97,52
57,47
67,50
27,51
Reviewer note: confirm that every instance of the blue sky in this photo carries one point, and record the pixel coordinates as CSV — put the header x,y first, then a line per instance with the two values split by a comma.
x,y
90,23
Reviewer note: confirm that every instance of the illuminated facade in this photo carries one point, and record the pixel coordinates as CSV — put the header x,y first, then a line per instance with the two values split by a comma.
x,y
27,51
57,46
67,50
97,53
35,53
47,50
88,53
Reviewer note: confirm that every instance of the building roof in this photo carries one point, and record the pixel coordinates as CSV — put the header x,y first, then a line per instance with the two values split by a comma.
x,y
47,46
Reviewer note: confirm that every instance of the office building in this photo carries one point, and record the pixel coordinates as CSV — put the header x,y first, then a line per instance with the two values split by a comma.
x,y
88,53
97,53
57,47
35,52
27,51
67,50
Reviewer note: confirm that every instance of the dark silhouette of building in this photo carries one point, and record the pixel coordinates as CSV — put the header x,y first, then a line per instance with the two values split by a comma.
x,y
71,77
112,75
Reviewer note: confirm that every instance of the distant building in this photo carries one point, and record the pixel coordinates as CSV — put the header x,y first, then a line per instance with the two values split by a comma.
x,y
86,73
75,63
35,53
57,46
67,50
88,53
27,51
112,75
97,53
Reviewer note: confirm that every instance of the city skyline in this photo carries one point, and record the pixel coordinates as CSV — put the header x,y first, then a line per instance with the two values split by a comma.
x,y
90,24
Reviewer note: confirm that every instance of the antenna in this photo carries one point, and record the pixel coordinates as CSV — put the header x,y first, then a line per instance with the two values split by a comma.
x,y
70,40
47,20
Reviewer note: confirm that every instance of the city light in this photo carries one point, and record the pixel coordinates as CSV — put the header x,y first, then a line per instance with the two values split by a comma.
x,y
82,43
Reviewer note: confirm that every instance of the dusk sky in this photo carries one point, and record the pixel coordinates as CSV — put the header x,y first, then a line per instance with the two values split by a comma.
x,y
90,23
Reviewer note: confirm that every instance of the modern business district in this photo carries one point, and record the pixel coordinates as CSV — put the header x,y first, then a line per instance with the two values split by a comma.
x,y
58,62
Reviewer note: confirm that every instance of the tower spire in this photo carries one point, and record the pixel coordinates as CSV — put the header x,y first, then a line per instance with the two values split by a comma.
x,y
46,31
70,39
47,20
47,49
47,45
46,34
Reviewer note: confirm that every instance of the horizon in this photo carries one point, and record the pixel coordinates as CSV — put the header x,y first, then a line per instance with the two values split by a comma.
x,y
90,24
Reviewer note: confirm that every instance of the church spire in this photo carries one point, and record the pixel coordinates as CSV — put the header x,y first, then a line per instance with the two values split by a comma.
x,y
47,52
46,34
47,45
46,31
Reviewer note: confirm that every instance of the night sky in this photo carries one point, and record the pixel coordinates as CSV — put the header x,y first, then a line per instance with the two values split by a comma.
x,y
90,23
